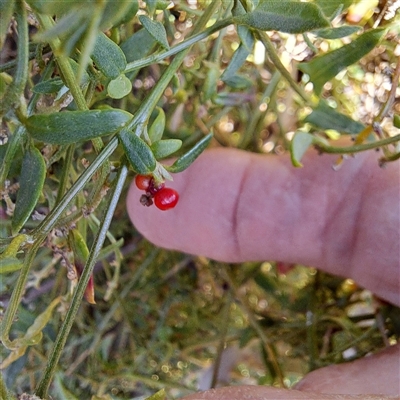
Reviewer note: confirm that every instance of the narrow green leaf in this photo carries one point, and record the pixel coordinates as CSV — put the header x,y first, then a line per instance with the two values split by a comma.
x,y
337,33
240,55
298,146
285,16
31,182
326,117
183,162
157,128
246,37
119,87
78,245
9,264
164,148
40,322
74,126
156,29
50,86
322,68
108,57
137,152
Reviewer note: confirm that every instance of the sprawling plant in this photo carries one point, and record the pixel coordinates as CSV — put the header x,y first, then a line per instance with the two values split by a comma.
x,y
93,91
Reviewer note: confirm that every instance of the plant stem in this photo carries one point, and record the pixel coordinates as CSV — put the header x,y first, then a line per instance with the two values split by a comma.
x,y
16,296
3,389
254,323
222,341
263,37
250,132
65,172
11,98
144,111
325,148
61,339
144,62
50,221
392,95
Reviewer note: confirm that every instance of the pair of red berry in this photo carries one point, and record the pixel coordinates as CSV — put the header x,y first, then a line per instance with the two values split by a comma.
x,y
164,198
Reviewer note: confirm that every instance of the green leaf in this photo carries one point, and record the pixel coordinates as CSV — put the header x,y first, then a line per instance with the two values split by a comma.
x,y
331,8
284,16
119,87
157,128
9,264
322,68
164,148
74,126
118,12
108,57
156,29
299,144
240,55
50,86
183,162
138,45
137,152
31,183
337,33
326,117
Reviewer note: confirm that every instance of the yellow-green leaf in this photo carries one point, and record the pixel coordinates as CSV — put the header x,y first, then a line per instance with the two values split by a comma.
x,y
299,144
119,87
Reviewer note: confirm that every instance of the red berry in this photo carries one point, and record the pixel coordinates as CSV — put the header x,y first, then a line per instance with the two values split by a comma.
x,y
154,188
143,181
166,198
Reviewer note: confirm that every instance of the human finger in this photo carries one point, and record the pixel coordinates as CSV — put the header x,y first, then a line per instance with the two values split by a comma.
x,y
236,206
371,377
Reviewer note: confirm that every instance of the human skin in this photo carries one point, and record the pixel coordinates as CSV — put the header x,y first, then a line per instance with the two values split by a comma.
x,y
236,206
